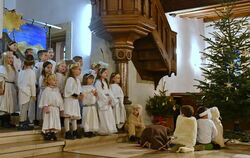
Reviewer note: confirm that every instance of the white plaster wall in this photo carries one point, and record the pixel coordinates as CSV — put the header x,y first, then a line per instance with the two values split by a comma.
x,y
189,45
62,11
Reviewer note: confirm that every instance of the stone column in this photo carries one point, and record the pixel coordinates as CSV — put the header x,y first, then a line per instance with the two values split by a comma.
x,y
122,54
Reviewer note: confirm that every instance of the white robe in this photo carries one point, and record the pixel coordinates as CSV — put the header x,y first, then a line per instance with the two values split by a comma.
x,y
71,105
9,102
185,133
41,87
106,116
2,83
90,121
38,70
52,98
27,85
17,63
60,81
119,109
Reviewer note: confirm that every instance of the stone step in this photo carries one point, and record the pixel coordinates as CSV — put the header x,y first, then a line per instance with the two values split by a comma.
x,y
20,136
31,148
98,140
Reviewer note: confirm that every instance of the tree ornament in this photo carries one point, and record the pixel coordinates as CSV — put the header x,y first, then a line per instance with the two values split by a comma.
x,y
229,85
232,65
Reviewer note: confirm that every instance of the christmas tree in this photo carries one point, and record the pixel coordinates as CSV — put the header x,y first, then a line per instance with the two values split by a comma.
x,y
226,68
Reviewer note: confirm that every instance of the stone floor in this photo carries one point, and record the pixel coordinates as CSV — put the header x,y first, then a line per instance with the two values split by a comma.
x,y
125,150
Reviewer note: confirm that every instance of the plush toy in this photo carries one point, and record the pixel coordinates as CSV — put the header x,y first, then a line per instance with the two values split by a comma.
x,y
216,119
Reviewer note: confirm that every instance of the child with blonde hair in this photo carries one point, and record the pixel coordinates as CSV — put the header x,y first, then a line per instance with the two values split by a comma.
x,y
8,78
51,103
61,70
72,93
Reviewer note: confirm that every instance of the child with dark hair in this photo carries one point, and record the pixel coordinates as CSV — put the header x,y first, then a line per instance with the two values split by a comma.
x,y
43,57
46,71
186,130
27,91
29,51
207,130
90,121
105,103
13,47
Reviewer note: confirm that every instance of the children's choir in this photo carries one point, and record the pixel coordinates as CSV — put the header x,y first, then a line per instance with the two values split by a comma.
x,y
43,91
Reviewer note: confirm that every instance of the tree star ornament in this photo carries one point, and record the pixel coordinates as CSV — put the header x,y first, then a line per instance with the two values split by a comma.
x,y
229,85
12,20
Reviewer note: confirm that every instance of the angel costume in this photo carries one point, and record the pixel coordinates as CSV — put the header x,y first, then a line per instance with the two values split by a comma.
x,y
27,89
60,81
41,89
71,104
9,103
119,109
52,98
107,120
90,121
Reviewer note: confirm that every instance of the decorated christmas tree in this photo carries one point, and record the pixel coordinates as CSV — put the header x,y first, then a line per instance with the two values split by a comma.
x,y
226,67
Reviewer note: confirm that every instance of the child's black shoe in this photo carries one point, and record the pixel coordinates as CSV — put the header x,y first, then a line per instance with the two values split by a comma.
x,y
133,138
68,135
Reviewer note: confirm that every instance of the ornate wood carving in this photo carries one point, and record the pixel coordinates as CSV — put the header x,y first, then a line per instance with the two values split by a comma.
x,y
124,22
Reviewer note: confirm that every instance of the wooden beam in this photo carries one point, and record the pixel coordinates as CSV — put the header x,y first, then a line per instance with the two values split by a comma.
x,y
209,19
174,5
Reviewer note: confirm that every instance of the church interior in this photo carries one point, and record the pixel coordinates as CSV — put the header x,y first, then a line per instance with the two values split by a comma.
x,y
125,78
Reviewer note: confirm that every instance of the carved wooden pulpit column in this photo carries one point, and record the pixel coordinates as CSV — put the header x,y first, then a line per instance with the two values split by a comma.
x,y
121,22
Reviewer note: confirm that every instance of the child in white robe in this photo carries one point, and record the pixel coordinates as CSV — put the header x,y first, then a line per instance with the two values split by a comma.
x,y
61,70
78,59
9,103
47,70
90,121
43,57
8,99
207,130
51,103
72,92
13,47
185,133
105,102
27,91
119,109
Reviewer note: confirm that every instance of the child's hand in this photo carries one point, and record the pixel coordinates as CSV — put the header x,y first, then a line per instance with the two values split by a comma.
x,y
1,91
37,90
80,96
94,92
46,109
33,98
